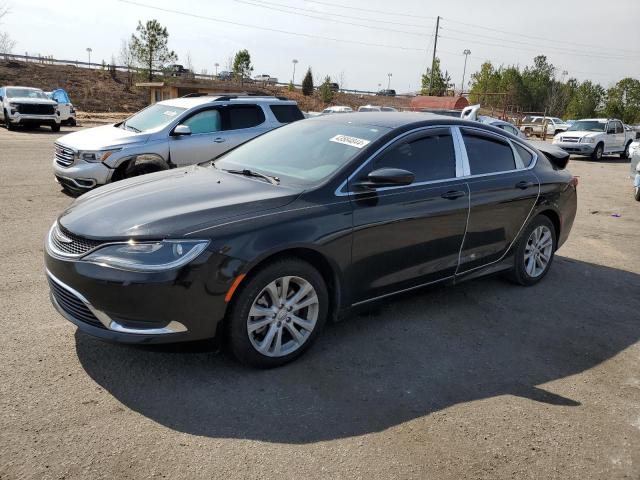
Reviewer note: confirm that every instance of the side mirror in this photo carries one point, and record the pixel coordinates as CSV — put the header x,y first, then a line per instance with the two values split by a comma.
x,y
386,177
181,130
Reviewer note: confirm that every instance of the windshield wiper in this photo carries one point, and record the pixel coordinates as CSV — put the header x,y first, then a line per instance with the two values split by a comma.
x,y
252,173
129,127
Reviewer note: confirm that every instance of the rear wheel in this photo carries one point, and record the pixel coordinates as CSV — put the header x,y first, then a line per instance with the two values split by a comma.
x,y
597,152
277,314
534,252
636,194
625,153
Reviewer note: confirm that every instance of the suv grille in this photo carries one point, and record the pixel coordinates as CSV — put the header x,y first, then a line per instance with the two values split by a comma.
x,y
36,109
570,139
70,244
64,156
72,305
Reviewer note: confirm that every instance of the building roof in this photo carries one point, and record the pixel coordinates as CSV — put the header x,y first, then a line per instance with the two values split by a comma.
x,y
444,103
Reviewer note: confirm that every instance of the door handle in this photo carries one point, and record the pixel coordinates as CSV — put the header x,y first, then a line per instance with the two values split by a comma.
x,y
453,194
524,185
218,139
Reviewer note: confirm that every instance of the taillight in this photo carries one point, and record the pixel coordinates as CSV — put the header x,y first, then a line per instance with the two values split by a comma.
x,y
574,181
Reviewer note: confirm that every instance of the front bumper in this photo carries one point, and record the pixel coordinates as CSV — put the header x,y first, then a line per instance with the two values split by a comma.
x,y
133,307
24,119
82,175
577,148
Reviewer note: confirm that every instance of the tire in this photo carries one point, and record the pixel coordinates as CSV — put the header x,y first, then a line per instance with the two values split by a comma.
x,y
55,127
625,152
521,273
597,152
636,194
71,122
276,324
142,168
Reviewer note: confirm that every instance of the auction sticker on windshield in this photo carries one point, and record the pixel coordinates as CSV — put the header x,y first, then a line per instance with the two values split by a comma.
x,y
351,141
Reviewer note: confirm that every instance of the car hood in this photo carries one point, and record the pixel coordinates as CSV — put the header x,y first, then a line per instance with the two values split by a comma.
x,y
99,138
38,101
171,204
580,133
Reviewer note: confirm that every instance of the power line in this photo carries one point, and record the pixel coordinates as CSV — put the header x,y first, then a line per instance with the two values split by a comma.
x,y
246,2
473,25
375,20
384,12
275,30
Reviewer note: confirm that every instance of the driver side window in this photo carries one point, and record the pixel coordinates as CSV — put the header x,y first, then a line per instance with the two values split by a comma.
x,y
207,121
429,156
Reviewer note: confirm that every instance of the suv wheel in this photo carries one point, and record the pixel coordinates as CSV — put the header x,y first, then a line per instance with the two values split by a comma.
x,y
144,167
55,127
277,314
534,252
636,194
625,153
597,152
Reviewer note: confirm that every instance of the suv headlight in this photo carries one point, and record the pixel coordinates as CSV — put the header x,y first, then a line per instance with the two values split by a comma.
x,y
13,105
587,140
96,155
148,256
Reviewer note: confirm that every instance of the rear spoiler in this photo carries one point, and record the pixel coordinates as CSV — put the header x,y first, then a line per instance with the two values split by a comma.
x,y
556,155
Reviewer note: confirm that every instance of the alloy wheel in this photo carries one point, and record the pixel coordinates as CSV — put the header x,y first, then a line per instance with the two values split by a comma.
x,y
538,251
283,316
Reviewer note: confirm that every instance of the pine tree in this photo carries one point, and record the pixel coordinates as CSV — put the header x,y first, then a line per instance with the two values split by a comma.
x,y
307,84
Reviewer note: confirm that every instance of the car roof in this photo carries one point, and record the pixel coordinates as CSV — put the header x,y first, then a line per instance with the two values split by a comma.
x,y
191,102
25,88
391,119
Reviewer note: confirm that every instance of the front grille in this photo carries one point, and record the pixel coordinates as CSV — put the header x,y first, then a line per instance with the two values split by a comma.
x,y
70,244
64,156
36,109
571,139
72,305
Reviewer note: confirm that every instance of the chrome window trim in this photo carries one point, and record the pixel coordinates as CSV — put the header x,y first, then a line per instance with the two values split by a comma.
x,y
463,169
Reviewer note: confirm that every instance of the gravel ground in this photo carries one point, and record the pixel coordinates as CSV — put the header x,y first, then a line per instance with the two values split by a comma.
x,y
482,380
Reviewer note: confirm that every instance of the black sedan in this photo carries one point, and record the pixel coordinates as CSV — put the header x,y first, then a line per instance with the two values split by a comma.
x,y
267,242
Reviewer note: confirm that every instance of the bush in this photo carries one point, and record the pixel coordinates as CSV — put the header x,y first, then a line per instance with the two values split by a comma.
x,y
325,90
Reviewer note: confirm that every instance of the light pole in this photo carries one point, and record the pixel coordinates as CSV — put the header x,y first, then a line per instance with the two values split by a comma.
x,y
89,50
216,65
293,77
466,53
389,82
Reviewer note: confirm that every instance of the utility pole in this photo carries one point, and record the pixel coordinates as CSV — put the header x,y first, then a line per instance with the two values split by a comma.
x,y
433,60
216,65
293,77
389,82
466,53
89,50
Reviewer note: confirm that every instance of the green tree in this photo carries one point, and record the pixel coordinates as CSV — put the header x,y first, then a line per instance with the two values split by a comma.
x,y
436,82
623,100
486,80
537,81
150,47
307,83
242,64
325,90
585,101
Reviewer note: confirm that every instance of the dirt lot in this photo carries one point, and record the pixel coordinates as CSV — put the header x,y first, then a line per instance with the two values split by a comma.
x,y
484,380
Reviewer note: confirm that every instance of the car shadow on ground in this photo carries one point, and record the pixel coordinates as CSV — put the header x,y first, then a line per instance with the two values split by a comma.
x,y
414,355
604,159
42,130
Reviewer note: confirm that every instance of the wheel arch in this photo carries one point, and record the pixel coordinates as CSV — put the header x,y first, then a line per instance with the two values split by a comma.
x,y
120,169
554,217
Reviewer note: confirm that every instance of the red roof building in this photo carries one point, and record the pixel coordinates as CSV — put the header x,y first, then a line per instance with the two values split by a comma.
x,y
440,103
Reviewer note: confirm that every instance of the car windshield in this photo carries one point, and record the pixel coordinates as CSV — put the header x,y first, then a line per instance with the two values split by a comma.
x,y
587,126
557,120
303,152
151,118
368,109
25,93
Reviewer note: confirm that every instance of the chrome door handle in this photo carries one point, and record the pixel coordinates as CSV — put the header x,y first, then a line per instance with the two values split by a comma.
x,y
218,139
453,194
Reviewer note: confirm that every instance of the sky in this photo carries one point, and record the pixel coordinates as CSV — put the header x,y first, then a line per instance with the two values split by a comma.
x,y
359,42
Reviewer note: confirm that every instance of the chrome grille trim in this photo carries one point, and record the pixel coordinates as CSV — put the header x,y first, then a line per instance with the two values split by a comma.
x,y
65,156
570,139
65,244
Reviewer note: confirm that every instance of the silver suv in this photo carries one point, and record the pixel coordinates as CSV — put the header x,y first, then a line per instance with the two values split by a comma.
x,y
167,134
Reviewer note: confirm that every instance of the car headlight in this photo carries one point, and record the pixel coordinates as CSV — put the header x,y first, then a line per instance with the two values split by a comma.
x,y
96,155
148,256
557,139
587,140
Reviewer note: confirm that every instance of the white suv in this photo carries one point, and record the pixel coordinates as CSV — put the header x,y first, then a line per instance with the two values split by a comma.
x,y
167,134
28,106
595,137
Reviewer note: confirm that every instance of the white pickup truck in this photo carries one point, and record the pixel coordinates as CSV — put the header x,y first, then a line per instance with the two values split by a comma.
x,y
595,137
533,125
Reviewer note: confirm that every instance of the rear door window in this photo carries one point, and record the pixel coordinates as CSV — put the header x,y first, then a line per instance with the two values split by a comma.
x,y
242,116
487,154
287,113
429,156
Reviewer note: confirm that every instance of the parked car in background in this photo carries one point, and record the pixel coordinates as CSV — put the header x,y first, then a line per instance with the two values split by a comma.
x,y
167,134
533,125
26,106
595,137
334,87
176,70
634,154
304,223
265,78
472,113
440,111
65,108
389,92
337,109
375,108
225,76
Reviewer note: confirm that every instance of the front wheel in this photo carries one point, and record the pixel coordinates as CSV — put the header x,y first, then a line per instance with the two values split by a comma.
x,y
636,194
534,252
625,152
597,152
55,127
277,314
